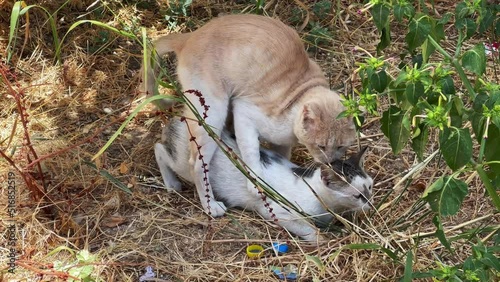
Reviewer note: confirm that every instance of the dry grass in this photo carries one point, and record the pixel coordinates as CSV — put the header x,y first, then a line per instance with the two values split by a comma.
x,y
84,100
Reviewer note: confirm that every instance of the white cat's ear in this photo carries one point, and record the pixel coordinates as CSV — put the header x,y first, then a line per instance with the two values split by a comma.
x,y
329,176
359,158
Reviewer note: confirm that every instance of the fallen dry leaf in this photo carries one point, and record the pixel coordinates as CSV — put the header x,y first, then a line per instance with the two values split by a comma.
x,y
124,168
114,221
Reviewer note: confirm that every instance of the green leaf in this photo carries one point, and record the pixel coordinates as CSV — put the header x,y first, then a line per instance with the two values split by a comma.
x,y
456,146
486,21
461,10
16,12
479,101
474,60
317,261
456,112
81,272
492,151
14,19
385,38
380,14
402,11
372,246
445,196
419,142
396,126
492,261
397,93
398,12
401,77
478,122
440,232
468,25
420,27
110,178
85,256
322,8
414,91
379,81
408,267
437,33
445,18
447,85
427,50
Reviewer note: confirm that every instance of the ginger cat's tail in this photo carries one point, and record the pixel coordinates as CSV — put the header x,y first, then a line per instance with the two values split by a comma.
x,y
162,46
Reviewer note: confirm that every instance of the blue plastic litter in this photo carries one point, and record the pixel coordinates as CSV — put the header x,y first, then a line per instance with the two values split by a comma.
x,y
281,248
289,272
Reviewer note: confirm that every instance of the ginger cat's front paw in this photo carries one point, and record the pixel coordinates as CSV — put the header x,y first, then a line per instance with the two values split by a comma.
x,y
217,209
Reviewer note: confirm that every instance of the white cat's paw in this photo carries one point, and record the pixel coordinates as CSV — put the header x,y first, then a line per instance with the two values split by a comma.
x,y
174,185
217,209
314,237
253,189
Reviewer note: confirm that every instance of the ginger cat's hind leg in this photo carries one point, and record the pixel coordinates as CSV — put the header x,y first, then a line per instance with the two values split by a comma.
x,y
200,157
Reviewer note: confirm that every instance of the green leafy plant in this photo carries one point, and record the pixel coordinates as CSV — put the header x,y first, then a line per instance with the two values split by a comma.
x,y
423,98
482,265
21,9
322,9
318,35
80,269
176,10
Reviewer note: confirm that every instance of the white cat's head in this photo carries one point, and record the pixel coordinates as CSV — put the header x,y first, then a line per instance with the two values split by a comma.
x,y
349,183
325,137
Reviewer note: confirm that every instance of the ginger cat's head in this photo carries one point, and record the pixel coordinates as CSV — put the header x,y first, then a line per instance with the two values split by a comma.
x,y
325,137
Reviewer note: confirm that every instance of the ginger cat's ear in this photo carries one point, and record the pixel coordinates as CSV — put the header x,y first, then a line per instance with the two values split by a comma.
x,y
310,117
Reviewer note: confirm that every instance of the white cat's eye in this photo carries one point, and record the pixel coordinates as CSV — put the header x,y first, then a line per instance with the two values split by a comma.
x,y
322,148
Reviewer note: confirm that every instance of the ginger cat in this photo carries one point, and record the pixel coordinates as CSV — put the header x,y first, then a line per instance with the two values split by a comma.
x,y
258,66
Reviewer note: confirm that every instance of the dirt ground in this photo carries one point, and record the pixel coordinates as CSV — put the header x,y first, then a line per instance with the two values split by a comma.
x,y
72,108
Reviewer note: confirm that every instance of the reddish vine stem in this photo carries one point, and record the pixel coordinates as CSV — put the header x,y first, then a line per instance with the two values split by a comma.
x,y
18,97
205,170
259,189
59,274
28,179
198,146
204,165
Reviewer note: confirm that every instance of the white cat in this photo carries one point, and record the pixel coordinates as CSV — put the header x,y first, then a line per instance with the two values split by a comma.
x,y
258,66
342,186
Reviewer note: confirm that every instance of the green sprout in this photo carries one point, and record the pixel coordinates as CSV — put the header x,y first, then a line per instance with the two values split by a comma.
x,y
437,117
493,113
352,109
368,101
